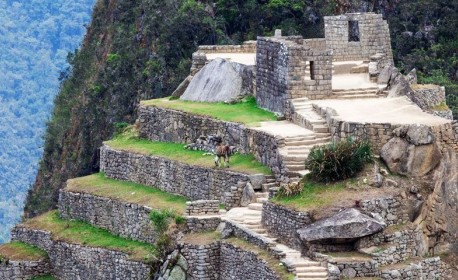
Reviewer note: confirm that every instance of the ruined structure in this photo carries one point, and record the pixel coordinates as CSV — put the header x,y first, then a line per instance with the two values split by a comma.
x,y
324,90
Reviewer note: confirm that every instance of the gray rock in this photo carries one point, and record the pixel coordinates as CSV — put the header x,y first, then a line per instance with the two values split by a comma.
x,y
248,195
407,159
177,273
182,87
181,262
377,178
347,225
385,75
220,81
391,183
348,272
257,180
419,135
412,77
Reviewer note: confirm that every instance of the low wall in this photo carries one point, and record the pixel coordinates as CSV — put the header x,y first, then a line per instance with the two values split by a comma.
x,y
237,263
125,219
283,223
166,125
72,262
389,208
203,260
23,269
171,176
431,268
202,207
203,223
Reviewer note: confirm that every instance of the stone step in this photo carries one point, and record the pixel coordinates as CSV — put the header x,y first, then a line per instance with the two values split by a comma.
x,y
309,275
354,89
261,200
358,96
306,269
295,167
314,278
300,263
302,99
266,187
310,136
261,194
255,206
350,92
321,128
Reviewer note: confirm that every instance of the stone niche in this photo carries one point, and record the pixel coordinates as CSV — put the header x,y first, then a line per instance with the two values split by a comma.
x,y
357,36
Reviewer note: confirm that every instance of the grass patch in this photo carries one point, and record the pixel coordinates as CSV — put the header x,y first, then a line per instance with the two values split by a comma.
x,y
273,262
77,232
344,256
245,112
201,238
98,184
440,107
313,196
44,277
241,163
19,251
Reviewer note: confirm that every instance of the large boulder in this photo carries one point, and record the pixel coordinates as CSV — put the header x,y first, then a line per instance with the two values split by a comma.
x,y
346,226
220,81
412,152
248,195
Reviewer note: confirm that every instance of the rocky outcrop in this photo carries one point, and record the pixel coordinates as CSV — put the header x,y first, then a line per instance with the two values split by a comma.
x,y
412,152
346,225
220,81
439,216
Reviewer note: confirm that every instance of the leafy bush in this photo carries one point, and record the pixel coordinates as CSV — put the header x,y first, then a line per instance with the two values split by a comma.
x,y
338,160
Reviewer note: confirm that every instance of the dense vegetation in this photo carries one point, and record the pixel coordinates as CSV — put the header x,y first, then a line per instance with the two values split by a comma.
x,y
338,160
35,38
141,49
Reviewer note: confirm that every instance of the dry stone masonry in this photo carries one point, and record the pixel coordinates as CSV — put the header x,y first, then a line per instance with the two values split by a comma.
x,y
14,269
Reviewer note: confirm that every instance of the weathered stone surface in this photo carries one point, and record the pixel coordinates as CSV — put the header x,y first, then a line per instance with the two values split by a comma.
x,y
348,224
220,81
385,75
348,273
407,159
182,87
416,134
248,195
20,269
412,77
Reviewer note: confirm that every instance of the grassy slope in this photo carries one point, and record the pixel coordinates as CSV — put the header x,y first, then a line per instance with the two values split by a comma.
x,y
44,277
240,163
77,232
313,196
246,112
98,184
19,251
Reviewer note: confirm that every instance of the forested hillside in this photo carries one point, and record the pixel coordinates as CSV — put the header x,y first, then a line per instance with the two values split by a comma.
x,y
141,49
35,38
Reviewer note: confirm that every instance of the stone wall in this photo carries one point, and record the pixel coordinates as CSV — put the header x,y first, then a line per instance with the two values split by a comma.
x,y
23,269
288,68
203,260
193,182
426,269
199,58
202,207
283,223
125,219
389,208
237,263
374,37
203,223
74,262
159,124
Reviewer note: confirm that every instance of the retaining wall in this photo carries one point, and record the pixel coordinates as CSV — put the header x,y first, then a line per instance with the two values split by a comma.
x,y
193,182
74,262
427,269
166,125
283,223
23,269
203,260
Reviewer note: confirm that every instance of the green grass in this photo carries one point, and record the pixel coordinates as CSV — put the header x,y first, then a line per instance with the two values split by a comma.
x,y
246,112
273,262
314,196
100,185
241,163
77,232
19,251
44,277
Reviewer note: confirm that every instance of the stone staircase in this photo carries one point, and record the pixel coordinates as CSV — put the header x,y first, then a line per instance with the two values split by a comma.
x,y
358,93
297,148
248,220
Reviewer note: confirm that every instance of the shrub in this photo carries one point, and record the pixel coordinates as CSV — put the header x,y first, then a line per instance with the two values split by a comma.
x,y
291,189
161,219
338,160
